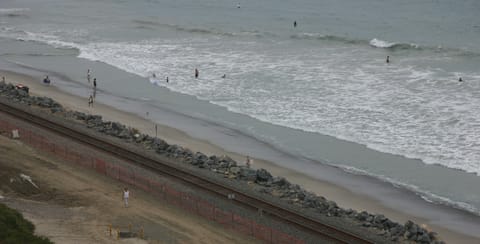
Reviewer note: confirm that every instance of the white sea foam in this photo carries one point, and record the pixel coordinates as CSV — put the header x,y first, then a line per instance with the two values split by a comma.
x,y
410,114
410,118
51,39
380,43
417,113
13,10
385,44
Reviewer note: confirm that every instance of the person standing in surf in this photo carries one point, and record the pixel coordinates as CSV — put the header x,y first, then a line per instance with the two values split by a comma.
x,y
196,73
388,59
294,24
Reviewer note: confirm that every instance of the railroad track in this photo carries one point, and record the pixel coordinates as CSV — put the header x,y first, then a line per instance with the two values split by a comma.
x,y
323,231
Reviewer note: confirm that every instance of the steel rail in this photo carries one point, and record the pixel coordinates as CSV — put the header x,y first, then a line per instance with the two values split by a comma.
x,y
313,226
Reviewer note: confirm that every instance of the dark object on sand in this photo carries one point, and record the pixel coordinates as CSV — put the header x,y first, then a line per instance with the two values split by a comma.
x,y
46,80
22,87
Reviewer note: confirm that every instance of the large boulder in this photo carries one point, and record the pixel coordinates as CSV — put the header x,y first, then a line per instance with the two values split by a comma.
x,y
263,175
235,170
248,174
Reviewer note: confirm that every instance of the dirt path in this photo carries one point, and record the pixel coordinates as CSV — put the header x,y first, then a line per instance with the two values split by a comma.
x,y
73,205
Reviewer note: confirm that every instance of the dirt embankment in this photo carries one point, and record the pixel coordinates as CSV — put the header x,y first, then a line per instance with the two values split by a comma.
x,y
69,204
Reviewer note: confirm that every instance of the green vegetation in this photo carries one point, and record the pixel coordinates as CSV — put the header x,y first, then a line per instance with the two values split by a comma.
x,y
15,229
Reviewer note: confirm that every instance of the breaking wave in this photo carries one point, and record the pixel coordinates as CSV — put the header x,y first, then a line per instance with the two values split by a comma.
x,y
392,45
146,24
322,37
13,12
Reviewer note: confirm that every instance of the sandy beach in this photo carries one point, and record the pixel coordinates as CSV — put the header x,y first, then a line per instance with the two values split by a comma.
x,y
73,205
342,196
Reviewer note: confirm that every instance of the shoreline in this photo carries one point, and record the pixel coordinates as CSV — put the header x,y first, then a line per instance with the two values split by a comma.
x,y
342,196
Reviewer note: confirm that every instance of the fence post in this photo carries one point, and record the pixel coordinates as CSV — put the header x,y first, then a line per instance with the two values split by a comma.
x,y
271,235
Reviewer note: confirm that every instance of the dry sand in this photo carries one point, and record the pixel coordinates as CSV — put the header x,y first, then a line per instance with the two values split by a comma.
x,y
70,204
342,196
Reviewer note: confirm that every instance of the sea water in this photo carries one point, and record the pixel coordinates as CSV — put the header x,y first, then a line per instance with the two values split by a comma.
x,y
288,86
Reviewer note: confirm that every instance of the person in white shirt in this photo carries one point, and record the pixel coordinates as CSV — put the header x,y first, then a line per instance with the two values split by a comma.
x,y
126,194
248,162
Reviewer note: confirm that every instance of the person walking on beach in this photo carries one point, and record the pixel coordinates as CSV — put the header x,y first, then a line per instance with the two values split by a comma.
x,y
388,59
248,162
126,195
94,83
88,75
196,73
90,101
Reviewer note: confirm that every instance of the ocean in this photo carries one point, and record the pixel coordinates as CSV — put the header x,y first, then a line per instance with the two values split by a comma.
x,y
409,123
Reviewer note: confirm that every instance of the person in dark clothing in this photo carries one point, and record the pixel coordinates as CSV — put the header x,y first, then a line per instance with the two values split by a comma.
x,y
294,24
388,59
196,73
46,80
95,82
